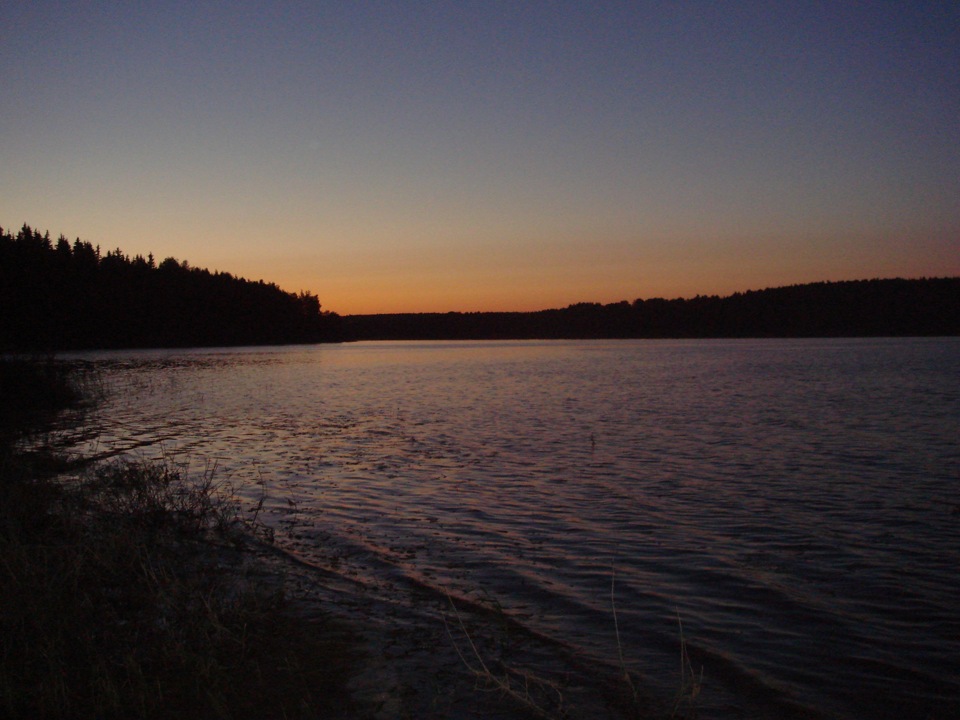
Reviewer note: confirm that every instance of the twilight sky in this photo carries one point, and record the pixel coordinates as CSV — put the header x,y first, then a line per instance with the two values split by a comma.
x,y
485,155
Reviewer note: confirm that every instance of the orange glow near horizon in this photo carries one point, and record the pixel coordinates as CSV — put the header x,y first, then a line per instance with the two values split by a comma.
x,y
477,157
438,280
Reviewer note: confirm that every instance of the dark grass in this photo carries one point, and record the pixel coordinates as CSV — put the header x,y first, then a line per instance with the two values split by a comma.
x,y
123,593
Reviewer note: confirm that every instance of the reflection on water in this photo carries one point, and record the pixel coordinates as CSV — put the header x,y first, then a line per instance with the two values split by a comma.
x,y
795,503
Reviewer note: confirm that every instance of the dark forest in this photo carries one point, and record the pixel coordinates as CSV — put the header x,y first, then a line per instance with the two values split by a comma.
x,y
58,295
869,308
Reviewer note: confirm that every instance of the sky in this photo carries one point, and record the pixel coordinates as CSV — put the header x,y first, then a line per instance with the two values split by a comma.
x,y
486,155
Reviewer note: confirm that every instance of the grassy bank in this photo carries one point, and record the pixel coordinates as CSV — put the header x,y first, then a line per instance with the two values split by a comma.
x,y
124,593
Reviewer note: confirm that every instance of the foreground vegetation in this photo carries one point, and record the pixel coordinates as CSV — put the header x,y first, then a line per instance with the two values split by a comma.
x,y
123,592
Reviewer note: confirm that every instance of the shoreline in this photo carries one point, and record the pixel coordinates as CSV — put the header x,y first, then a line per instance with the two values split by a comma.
x,y
427,656
130,589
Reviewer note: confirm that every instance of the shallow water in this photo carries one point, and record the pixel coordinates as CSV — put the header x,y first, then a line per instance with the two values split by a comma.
x,y
795,504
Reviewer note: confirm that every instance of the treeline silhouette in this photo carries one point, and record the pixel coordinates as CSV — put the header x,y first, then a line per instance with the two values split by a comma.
x,y
62,296
826,309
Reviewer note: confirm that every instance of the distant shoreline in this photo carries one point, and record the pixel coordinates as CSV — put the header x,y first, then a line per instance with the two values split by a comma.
x,y
926,307
60,296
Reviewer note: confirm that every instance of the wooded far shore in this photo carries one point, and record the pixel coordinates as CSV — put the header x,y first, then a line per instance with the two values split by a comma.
x,y
61,295
859,308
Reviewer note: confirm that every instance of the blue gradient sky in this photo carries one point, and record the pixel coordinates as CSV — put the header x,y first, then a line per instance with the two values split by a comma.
x,y
415,156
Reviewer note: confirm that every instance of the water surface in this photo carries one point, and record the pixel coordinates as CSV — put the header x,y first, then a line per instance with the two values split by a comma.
x,y
793,503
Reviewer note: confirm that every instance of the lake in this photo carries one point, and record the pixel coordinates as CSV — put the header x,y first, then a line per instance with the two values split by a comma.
x,y
790,508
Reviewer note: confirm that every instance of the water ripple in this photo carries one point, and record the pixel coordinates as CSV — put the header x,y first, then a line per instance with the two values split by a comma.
x,y
793,502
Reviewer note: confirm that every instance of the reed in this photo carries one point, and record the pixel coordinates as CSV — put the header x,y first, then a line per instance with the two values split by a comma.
x,y
538,696
122,594
544,698
624,673
691,683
